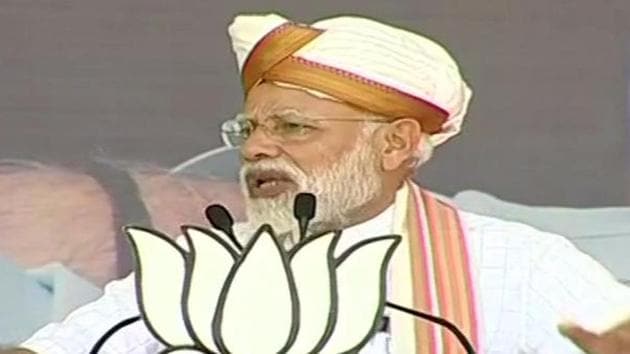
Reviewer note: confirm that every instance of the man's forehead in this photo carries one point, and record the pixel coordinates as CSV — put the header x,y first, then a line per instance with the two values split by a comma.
x,y
268,99
266,108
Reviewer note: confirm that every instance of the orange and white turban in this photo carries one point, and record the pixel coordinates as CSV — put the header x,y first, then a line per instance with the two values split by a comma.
x,y
374,66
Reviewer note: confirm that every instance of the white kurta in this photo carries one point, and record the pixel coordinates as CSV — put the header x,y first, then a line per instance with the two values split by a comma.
x,y
529,281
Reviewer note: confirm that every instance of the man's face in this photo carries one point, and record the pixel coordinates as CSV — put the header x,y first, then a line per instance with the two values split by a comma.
x,y
335,160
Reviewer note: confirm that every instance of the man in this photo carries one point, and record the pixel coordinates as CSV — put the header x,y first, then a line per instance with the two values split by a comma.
x,y
346,108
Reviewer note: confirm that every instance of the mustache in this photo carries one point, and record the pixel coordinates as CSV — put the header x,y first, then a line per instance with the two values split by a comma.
x,y
280,165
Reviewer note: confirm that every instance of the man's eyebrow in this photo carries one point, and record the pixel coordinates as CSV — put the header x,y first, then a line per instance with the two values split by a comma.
x,y
288,111
268,107
278,111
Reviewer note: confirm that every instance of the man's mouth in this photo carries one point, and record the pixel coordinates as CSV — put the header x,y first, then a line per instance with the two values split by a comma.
x,y
268,183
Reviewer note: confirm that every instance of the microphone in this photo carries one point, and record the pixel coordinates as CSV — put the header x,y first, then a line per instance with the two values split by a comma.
x,y
221,219
304,211
438,320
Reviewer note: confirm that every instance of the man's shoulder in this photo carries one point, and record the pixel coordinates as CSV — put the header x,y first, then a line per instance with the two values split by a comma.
x,y
480,225
487,228
490,233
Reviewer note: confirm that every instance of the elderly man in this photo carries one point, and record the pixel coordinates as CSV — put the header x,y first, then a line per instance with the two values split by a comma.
x,y
347,108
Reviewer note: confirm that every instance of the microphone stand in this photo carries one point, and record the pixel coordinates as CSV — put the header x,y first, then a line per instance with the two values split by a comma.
x,y
118,326
438,320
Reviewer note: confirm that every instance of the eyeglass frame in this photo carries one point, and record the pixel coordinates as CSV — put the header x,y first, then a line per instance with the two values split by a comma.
x,y
242,117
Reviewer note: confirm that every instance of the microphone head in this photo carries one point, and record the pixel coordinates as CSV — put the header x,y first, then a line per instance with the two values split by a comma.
x,y
304,206
220,217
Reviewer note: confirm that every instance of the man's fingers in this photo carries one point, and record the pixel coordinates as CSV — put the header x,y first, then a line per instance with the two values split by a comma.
x,y
587,341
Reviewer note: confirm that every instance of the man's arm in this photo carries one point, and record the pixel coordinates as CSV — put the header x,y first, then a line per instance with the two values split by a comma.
x,y
568,286
84,327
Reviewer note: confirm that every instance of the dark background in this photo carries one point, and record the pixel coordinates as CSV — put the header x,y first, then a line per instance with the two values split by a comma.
x,y
151,80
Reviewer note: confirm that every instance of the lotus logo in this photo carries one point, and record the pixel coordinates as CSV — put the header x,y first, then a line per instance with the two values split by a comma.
x,y
206,296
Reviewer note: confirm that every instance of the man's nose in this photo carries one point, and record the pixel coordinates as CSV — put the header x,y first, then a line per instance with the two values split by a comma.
x,y
259,146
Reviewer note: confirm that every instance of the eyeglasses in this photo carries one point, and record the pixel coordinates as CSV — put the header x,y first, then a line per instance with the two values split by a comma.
x,y
288,127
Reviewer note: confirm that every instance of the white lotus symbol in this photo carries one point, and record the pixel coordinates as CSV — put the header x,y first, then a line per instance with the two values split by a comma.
x,y
212,299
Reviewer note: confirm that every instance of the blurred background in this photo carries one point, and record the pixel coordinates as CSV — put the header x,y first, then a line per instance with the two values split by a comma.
x,y
99,100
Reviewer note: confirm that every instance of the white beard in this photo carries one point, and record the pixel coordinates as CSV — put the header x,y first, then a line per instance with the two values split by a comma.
x,y
341,188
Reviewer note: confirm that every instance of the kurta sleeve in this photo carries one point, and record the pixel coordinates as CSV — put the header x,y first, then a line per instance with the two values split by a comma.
x,y
567,285
82,328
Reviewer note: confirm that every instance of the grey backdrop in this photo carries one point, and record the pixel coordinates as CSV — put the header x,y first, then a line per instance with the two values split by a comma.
x,y
151,80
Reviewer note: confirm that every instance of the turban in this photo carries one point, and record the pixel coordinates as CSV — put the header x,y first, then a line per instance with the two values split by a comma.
x,y
373,66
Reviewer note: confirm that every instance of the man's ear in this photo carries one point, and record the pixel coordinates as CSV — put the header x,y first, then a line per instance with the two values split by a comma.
x,y
401,139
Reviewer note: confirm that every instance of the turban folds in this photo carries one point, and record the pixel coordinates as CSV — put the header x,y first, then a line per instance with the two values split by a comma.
x,y
373,66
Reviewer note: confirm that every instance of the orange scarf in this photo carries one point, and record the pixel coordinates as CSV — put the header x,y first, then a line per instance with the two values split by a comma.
x,y
431,273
